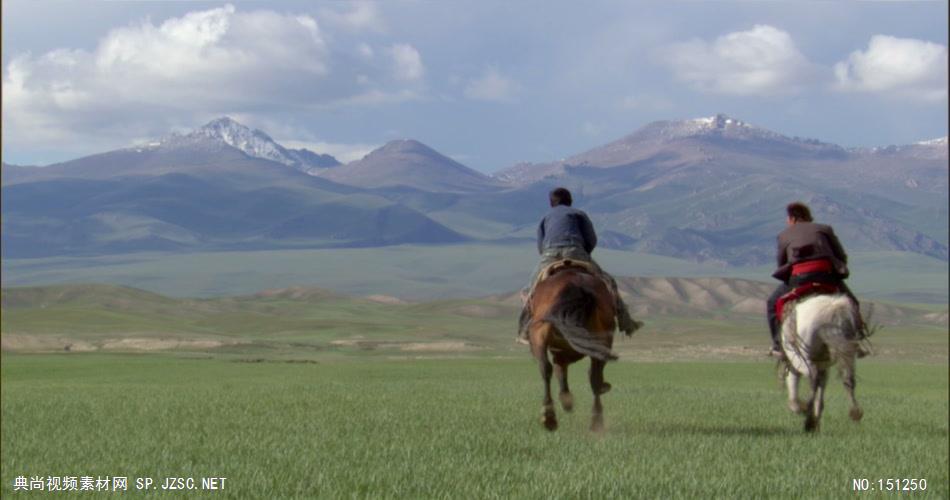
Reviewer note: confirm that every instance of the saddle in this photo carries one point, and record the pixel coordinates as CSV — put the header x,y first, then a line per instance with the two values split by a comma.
x,y
802,291
563,264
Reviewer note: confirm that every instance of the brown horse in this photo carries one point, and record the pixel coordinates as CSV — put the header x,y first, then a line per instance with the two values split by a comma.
x,y
572,316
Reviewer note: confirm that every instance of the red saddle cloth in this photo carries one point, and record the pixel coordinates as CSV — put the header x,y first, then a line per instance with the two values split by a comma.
x,y
803,290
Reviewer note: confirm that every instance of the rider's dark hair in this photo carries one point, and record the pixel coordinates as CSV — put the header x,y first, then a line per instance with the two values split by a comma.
x,y
799,211
560,196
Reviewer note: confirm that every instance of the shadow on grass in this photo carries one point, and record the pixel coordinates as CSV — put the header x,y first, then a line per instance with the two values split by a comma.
x,y
722,430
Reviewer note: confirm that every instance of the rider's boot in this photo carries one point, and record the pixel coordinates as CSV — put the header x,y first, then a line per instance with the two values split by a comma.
x,y
523,320
625,323
777,352
862,328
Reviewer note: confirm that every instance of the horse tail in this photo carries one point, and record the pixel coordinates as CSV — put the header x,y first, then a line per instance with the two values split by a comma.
x,y
841,333
570,315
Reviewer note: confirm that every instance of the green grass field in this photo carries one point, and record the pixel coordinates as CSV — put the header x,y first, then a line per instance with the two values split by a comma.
x,y
366,427
308,393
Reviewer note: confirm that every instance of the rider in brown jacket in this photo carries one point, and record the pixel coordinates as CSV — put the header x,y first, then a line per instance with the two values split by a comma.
x,y
807,252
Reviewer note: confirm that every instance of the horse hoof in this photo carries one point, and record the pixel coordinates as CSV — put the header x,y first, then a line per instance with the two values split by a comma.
x,y
856,413
604,388
549,420
567,401
797,407
811,424
597,423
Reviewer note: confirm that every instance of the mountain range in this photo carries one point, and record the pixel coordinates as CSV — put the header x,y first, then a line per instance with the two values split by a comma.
x,y
710,189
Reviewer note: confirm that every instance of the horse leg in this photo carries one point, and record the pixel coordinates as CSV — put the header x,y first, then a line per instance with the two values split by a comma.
x,y
548,417
795,404
847,375
598,387
567,399
817,403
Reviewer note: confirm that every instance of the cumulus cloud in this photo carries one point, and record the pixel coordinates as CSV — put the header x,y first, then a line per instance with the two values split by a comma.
x,y
148,77
362,16
491,86
905,66
407,62
760,61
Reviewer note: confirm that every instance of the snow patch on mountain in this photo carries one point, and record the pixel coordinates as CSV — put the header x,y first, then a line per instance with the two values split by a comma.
x,y
940,141
252,142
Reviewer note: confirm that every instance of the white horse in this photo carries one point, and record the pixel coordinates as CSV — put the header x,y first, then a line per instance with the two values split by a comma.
x,y
818,332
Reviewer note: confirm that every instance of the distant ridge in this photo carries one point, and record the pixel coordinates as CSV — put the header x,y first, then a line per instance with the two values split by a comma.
x,y
688,140
253,143
712,189
410,163
649,297
198,191
703,189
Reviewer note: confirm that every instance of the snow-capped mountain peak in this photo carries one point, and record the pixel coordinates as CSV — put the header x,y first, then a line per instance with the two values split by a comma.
x,y
719,121
717,125
940,141
253,143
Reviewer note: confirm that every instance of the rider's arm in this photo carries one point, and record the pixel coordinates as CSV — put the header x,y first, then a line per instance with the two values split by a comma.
x,y
836,246
587,230
541,237
782,269
781,256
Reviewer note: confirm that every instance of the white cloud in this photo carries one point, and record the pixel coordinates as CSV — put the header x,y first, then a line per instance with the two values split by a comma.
x,y
906,66
407,62
761,61
344,153
144,78
372,98
218,44
362,16
491,86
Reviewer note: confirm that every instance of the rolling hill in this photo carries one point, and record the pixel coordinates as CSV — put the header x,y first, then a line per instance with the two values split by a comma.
x,y
681,314
410,163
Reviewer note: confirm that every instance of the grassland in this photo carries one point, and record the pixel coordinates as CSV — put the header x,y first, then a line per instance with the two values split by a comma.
x,y
307,393
461,428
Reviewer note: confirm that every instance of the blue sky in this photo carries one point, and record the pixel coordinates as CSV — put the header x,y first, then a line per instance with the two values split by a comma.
x,y
490,83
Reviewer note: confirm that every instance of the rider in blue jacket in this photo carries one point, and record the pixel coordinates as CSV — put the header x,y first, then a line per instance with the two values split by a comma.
x,y
567,233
